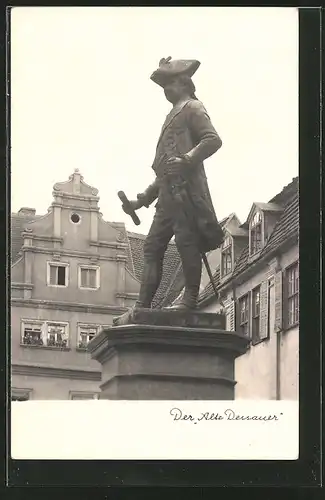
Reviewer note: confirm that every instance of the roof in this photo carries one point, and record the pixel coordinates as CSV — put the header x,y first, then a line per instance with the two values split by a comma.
x,y
287,192
170,267
171,283
286,226
208,290
18,224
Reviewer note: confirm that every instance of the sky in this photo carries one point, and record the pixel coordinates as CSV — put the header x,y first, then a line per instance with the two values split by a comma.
x,y
81,97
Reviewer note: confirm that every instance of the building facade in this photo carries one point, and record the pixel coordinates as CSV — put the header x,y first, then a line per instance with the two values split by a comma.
x,y
257,277
71,273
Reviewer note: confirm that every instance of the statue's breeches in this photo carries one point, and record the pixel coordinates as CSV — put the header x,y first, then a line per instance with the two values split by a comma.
x,y
162,229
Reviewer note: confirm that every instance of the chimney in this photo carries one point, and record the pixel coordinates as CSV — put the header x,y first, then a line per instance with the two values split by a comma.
x,y
27,211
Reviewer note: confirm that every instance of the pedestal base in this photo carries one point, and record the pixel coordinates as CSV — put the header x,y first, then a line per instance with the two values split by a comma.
x,y
142,361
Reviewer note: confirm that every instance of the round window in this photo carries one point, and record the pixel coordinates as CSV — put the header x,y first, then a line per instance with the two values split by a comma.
x,y
75,218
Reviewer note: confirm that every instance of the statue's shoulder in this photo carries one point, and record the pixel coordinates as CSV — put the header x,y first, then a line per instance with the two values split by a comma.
x,y
195,105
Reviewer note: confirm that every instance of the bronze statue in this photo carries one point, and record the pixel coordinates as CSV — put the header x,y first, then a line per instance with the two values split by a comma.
x,y
184,207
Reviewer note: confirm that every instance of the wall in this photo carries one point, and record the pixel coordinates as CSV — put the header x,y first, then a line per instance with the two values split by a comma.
x,y
105,294
52,387
259,374
52,372
54,357
289,364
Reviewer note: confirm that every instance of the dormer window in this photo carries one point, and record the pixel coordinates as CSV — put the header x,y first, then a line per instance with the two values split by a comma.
x,y
256,233
226,256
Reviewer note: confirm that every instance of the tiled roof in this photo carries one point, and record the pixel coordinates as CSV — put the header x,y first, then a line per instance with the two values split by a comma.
x,y
18,224
136,247
286,226
287,192
208,290
175,287
170,268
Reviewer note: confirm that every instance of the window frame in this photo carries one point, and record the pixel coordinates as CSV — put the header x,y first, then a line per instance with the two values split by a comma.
x,y
57,264
80,326
95,395
89,267
288,298
31,322
20,393
256,336
44,333
66,333
247,296
224,251
252,228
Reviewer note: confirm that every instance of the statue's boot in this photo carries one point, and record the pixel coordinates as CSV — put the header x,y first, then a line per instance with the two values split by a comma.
x,y
192,268
188,301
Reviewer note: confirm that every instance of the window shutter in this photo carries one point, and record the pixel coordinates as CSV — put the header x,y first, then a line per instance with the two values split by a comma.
x,y
278,322
230,314
264,299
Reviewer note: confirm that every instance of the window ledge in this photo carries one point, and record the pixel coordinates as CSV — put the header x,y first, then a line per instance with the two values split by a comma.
x,y
291,327
226,276
93,289
58,286
52,348
259,341
254,256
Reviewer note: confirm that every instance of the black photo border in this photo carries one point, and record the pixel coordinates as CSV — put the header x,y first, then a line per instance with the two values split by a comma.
x,y
304,472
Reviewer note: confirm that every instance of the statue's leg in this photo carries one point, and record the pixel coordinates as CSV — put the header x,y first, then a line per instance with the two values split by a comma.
x,y
155,245
187,245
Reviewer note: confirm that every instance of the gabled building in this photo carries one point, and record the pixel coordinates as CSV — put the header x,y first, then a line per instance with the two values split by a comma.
x,y
71,273
257,277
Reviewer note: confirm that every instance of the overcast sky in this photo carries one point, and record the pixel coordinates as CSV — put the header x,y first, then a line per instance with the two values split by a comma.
x,y
82,98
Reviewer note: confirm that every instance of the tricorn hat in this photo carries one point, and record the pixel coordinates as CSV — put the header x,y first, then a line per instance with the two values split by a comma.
x,y
169,69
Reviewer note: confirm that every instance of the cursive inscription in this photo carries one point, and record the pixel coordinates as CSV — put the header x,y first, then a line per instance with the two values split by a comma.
x,y
179,415
228,414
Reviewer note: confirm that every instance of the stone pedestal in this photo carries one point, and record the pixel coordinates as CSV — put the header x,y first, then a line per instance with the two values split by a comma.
x,y
164,355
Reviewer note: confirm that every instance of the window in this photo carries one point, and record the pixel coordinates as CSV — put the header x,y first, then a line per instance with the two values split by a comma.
x,y
292,295
32,333
20,394
56,335
45,333
57,274
89,277
244,315
256,234
83,396
75,218
256,314
226,256
85,334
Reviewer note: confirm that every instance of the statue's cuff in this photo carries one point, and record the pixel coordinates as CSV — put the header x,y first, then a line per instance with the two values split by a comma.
x,y
187,159
142,198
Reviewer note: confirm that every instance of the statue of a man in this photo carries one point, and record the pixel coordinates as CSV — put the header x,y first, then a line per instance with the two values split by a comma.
x,y
184,206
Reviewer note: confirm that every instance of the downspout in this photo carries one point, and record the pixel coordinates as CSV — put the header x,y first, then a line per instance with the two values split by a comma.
x,y
278,365
278,332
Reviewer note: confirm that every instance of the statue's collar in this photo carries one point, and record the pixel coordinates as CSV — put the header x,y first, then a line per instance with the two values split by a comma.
x,y
176,109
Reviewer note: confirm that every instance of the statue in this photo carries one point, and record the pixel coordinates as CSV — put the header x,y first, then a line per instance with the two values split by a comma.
x,y
184,207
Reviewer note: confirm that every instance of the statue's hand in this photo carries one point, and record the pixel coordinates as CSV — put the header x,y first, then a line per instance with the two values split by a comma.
x,y
134,205
175,165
